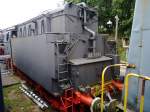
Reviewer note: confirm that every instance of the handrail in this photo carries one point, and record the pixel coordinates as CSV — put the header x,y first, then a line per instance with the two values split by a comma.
x,y
102,83
142,93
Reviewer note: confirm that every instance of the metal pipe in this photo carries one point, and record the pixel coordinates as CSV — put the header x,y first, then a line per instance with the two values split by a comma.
x,y
85,21
85,99
102,82
117,85
93,37
109,97
116,29
126,90
91,31
93,103
88,29
82,4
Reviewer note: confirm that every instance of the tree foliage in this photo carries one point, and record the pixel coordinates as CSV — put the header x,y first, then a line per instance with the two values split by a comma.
x,y
108,9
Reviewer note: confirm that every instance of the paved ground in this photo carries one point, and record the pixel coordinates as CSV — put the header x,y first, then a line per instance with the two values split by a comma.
x,y
9,79
7,76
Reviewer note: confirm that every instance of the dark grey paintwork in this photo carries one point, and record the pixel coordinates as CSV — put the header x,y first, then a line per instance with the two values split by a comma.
x,y
35,56
88,71
38,55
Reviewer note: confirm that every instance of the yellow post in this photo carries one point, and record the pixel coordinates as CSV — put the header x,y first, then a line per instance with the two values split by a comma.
x,y
126,93
103,81
126,90
142,104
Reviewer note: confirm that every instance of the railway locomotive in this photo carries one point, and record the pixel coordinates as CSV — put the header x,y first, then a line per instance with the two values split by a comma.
x,y
61,54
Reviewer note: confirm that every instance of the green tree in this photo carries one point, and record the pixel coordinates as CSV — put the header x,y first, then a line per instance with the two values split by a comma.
x,y
107,9
125,10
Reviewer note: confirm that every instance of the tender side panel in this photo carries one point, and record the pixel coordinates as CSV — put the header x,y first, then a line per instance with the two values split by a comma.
x,y
35,57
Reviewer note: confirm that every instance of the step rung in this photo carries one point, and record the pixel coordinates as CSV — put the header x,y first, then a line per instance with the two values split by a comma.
x,y
63,64
63,72
60,56
61,80
69,99
69,106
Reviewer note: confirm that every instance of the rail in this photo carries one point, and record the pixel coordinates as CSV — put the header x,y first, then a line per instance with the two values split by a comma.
x,y
103,80
144,78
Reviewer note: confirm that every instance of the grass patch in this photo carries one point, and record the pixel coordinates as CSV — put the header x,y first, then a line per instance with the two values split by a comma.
x,y
17,101
122,54
121,51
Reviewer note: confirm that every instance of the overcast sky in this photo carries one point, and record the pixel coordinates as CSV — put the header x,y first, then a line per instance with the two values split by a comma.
x,y
16,11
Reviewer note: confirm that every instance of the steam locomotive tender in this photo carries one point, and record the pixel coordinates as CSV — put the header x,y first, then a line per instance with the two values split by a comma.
x,y
61,49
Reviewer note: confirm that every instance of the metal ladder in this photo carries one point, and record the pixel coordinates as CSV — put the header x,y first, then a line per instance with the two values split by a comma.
x,y
62,68
62,73
67,100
